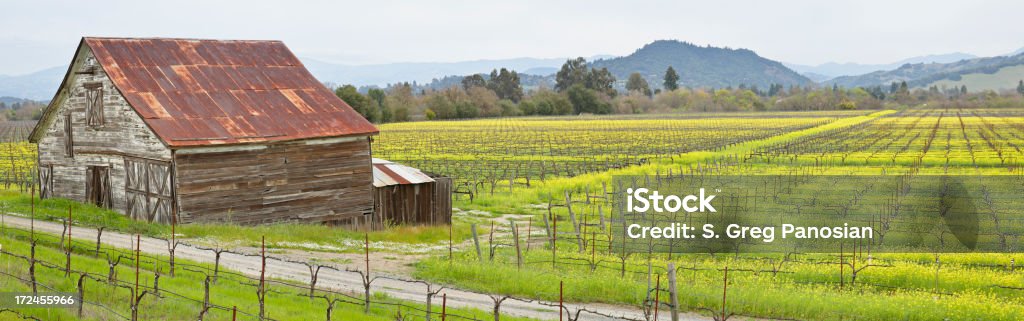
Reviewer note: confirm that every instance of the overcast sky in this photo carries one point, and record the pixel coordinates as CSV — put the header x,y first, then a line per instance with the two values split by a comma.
x,y
38,34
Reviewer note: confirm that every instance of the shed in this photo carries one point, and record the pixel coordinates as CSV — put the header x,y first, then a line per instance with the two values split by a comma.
x,y
407,196
192,130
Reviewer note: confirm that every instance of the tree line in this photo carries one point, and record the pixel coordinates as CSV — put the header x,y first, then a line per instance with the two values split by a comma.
x,y
582,89
21,110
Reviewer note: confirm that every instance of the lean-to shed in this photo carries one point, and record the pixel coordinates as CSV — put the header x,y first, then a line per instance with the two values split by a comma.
x,y
203,130
408,196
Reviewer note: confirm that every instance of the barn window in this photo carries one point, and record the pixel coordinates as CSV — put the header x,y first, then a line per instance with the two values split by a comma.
x,y
94,104
69,141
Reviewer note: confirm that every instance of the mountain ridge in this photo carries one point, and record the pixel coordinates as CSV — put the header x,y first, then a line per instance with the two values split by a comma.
x,y
701,66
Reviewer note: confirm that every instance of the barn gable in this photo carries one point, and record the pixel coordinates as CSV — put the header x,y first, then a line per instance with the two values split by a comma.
x,y
76,148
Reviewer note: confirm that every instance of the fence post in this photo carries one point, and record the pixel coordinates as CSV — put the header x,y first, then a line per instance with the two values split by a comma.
x,y
519,252
476,242
575,224
561,298
261,291
657,296
67,250
725,290
444,306
673,295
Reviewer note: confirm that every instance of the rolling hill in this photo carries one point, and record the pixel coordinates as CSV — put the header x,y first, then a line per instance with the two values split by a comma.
x,y
833,69
1003,79
701,66
923,75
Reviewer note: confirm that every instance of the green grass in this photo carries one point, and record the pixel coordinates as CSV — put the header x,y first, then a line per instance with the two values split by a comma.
x,y
283,303
282,235
805,290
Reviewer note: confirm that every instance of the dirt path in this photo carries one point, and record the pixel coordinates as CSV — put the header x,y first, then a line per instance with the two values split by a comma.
x,y
346,281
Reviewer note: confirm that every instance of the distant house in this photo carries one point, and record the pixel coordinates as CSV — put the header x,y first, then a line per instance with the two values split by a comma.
x,y
203,130
407,196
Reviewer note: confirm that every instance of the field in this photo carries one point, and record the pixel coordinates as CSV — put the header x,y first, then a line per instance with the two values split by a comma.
x,y
539,193
849,286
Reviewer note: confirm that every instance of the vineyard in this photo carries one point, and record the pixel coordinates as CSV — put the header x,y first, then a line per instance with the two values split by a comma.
x,y
481,153
540,215
572,236
17,156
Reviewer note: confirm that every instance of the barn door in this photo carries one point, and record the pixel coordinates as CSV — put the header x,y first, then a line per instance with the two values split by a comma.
x,y
148,190
45,181
97,186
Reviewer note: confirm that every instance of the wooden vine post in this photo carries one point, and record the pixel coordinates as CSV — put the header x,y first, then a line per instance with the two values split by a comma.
x,y
261,292
67,250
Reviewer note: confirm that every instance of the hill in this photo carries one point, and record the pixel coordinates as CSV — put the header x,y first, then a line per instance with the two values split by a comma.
x,y
1003,79
701,66
833,69
921,75
40,85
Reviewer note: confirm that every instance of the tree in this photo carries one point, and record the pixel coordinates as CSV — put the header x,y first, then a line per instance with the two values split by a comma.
x,y
574,71
638,84
903,88
475,80
377,96
963,89
361,104
671,79
586,100
506,85
485,100
602,81
1020,87
400,101
546,102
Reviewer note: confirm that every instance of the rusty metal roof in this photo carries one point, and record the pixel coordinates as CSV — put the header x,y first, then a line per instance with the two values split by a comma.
x,y
387,173
213,92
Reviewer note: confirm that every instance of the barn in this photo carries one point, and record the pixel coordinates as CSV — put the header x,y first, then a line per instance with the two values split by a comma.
x,y
403,195
191,130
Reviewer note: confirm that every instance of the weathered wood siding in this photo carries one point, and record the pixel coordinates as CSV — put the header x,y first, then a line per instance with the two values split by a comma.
x,y
327,180
413,204
122,134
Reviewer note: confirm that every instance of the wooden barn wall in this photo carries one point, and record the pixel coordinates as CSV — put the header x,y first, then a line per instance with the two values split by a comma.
x,y
413,204
122,134
306,181
442,200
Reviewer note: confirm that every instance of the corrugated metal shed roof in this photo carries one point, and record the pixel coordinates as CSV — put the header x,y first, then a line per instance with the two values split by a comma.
x,y
387,173
212,92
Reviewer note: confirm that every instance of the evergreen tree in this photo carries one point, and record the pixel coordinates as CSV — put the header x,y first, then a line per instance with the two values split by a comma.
x,y
671,79
1020,87
963,89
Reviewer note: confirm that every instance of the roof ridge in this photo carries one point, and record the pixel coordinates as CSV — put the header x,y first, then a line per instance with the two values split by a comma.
x,y
178,38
